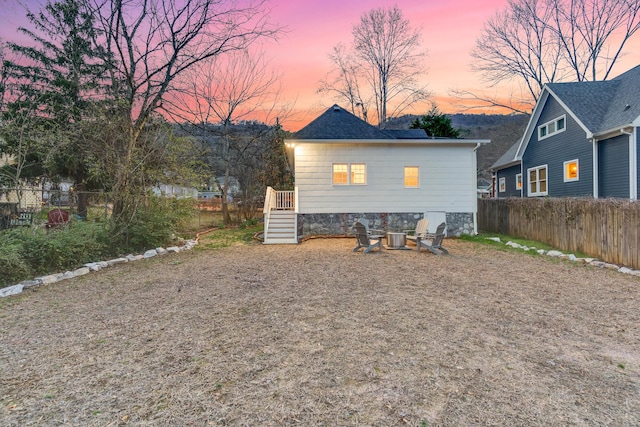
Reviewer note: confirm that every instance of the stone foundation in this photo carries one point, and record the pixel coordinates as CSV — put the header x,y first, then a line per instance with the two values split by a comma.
x,y
458,223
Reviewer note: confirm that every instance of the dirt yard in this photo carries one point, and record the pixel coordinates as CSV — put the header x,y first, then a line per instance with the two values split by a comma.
x,y
315,335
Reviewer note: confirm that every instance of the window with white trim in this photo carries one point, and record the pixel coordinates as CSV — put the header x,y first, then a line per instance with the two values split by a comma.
x,y
358,173
571,172
340,174
502,187
411,176
553,127
519,181
349,174
538,181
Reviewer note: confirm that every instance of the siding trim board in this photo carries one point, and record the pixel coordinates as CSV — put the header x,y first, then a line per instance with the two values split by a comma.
x,y
633,165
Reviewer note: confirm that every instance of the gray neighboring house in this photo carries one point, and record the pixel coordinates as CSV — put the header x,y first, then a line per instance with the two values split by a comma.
x,y
345,168
507,174
581,141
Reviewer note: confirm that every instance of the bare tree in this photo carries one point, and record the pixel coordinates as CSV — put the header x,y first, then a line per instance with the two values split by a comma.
x,y
344,80
386,54
220,91
593,34
518,43
534,42
152,42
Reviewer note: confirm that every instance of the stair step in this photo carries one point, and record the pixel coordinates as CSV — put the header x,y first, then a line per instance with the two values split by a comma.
x,y
282,228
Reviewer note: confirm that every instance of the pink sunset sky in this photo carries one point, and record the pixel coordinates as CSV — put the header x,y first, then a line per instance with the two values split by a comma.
x,y
449,31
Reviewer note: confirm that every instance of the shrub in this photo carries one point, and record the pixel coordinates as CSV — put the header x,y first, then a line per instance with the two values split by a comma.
x,y
66,248
26,253
154,224
13,266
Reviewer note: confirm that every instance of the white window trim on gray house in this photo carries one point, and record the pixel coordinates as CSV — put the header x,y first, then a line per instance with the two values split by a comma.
x,y
538,181
566,175
552,127
502,187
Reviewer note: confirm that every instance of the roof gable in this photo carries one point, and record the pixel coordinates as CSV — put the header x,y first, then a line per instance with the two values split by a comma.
x,y
604,105
588,101
338,123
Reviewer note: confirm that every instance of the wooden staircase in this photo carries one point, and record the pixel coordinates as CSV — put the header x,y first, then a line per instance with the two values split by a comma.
x,y
281,228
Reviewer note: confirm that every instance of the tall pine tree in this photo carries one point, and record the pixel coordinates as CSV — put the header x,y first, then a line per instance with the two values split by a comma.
x,y
56,81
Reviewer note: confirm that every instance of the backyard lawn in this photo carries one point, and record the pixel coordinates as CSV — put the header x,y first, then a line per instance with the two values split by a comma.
x,y
316,335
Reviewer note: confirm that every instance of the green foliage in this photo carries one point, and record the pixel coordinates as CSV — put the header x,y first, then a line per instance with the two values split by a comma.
x,y
436,124
155,221
14,267
484,239
66,248
54,80
277,162
26,253
228,236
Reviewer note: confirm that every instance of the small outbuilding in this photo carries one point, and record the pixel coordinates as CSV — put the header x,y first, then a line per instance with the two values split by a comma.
x,y
345,169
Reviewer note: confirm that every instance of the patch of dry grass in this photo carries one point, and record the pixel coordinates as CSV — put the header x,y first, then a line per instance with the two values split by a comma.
x,y
314,334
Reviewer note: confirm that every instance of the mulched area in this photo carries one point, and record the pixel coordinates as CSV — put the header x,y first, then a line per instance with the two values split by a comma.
x,y
316,335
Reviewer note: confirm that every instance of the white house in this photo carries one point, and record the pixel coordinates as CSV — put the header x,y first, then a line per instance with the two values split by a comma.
x,y
346,169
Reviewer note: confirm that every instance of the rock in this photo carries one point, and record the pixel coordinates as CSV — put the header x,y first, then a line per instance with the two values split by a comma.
x,y
173,249
116,261
131,257
554,253
30,283
541,251
625,270
11,290
81,271
47,280
94,266
68,275
513,244
161,251
150,253
597,263
611,266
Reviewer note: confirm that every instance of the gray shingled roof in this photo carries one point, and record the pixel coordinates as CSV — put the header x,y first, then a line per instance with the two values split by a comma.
x,y
339,124
625,107
602,106
407,133
508,157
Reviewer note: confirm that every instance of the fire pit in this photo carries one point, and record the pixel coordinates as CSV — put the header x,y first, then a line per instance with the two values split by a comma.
x,y
396,240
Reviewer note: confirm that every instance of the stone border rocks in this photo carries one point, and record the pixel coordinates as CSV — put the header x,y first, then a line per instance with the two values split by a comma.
x,y
94,266
571,257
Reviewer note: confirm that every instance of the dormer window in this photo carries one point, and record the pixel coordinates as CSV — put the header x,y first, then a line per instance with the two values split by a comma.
x,y
551,128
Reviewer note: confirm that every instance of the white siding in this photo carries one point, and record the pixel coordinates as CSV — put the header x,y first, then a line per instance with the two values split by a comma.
x,y
447,178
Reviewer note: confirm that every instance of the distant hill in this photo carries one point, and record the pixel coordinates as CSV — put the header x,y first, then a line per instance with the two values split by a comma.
x,y
502,130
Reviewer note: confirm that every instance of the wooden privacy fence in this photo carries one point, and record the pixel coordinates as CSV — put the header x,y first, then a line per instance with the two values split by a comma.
x,y
607,229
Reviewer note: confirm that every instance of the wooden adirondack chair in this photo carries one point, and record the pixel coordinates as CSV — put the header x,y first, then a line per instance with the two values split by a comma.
x,y
419,234
433,241
365,239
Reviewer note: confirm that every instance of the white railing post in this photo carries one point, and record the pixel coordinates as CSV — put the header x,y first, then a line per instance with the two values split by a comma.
x,y
269,201
285,200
